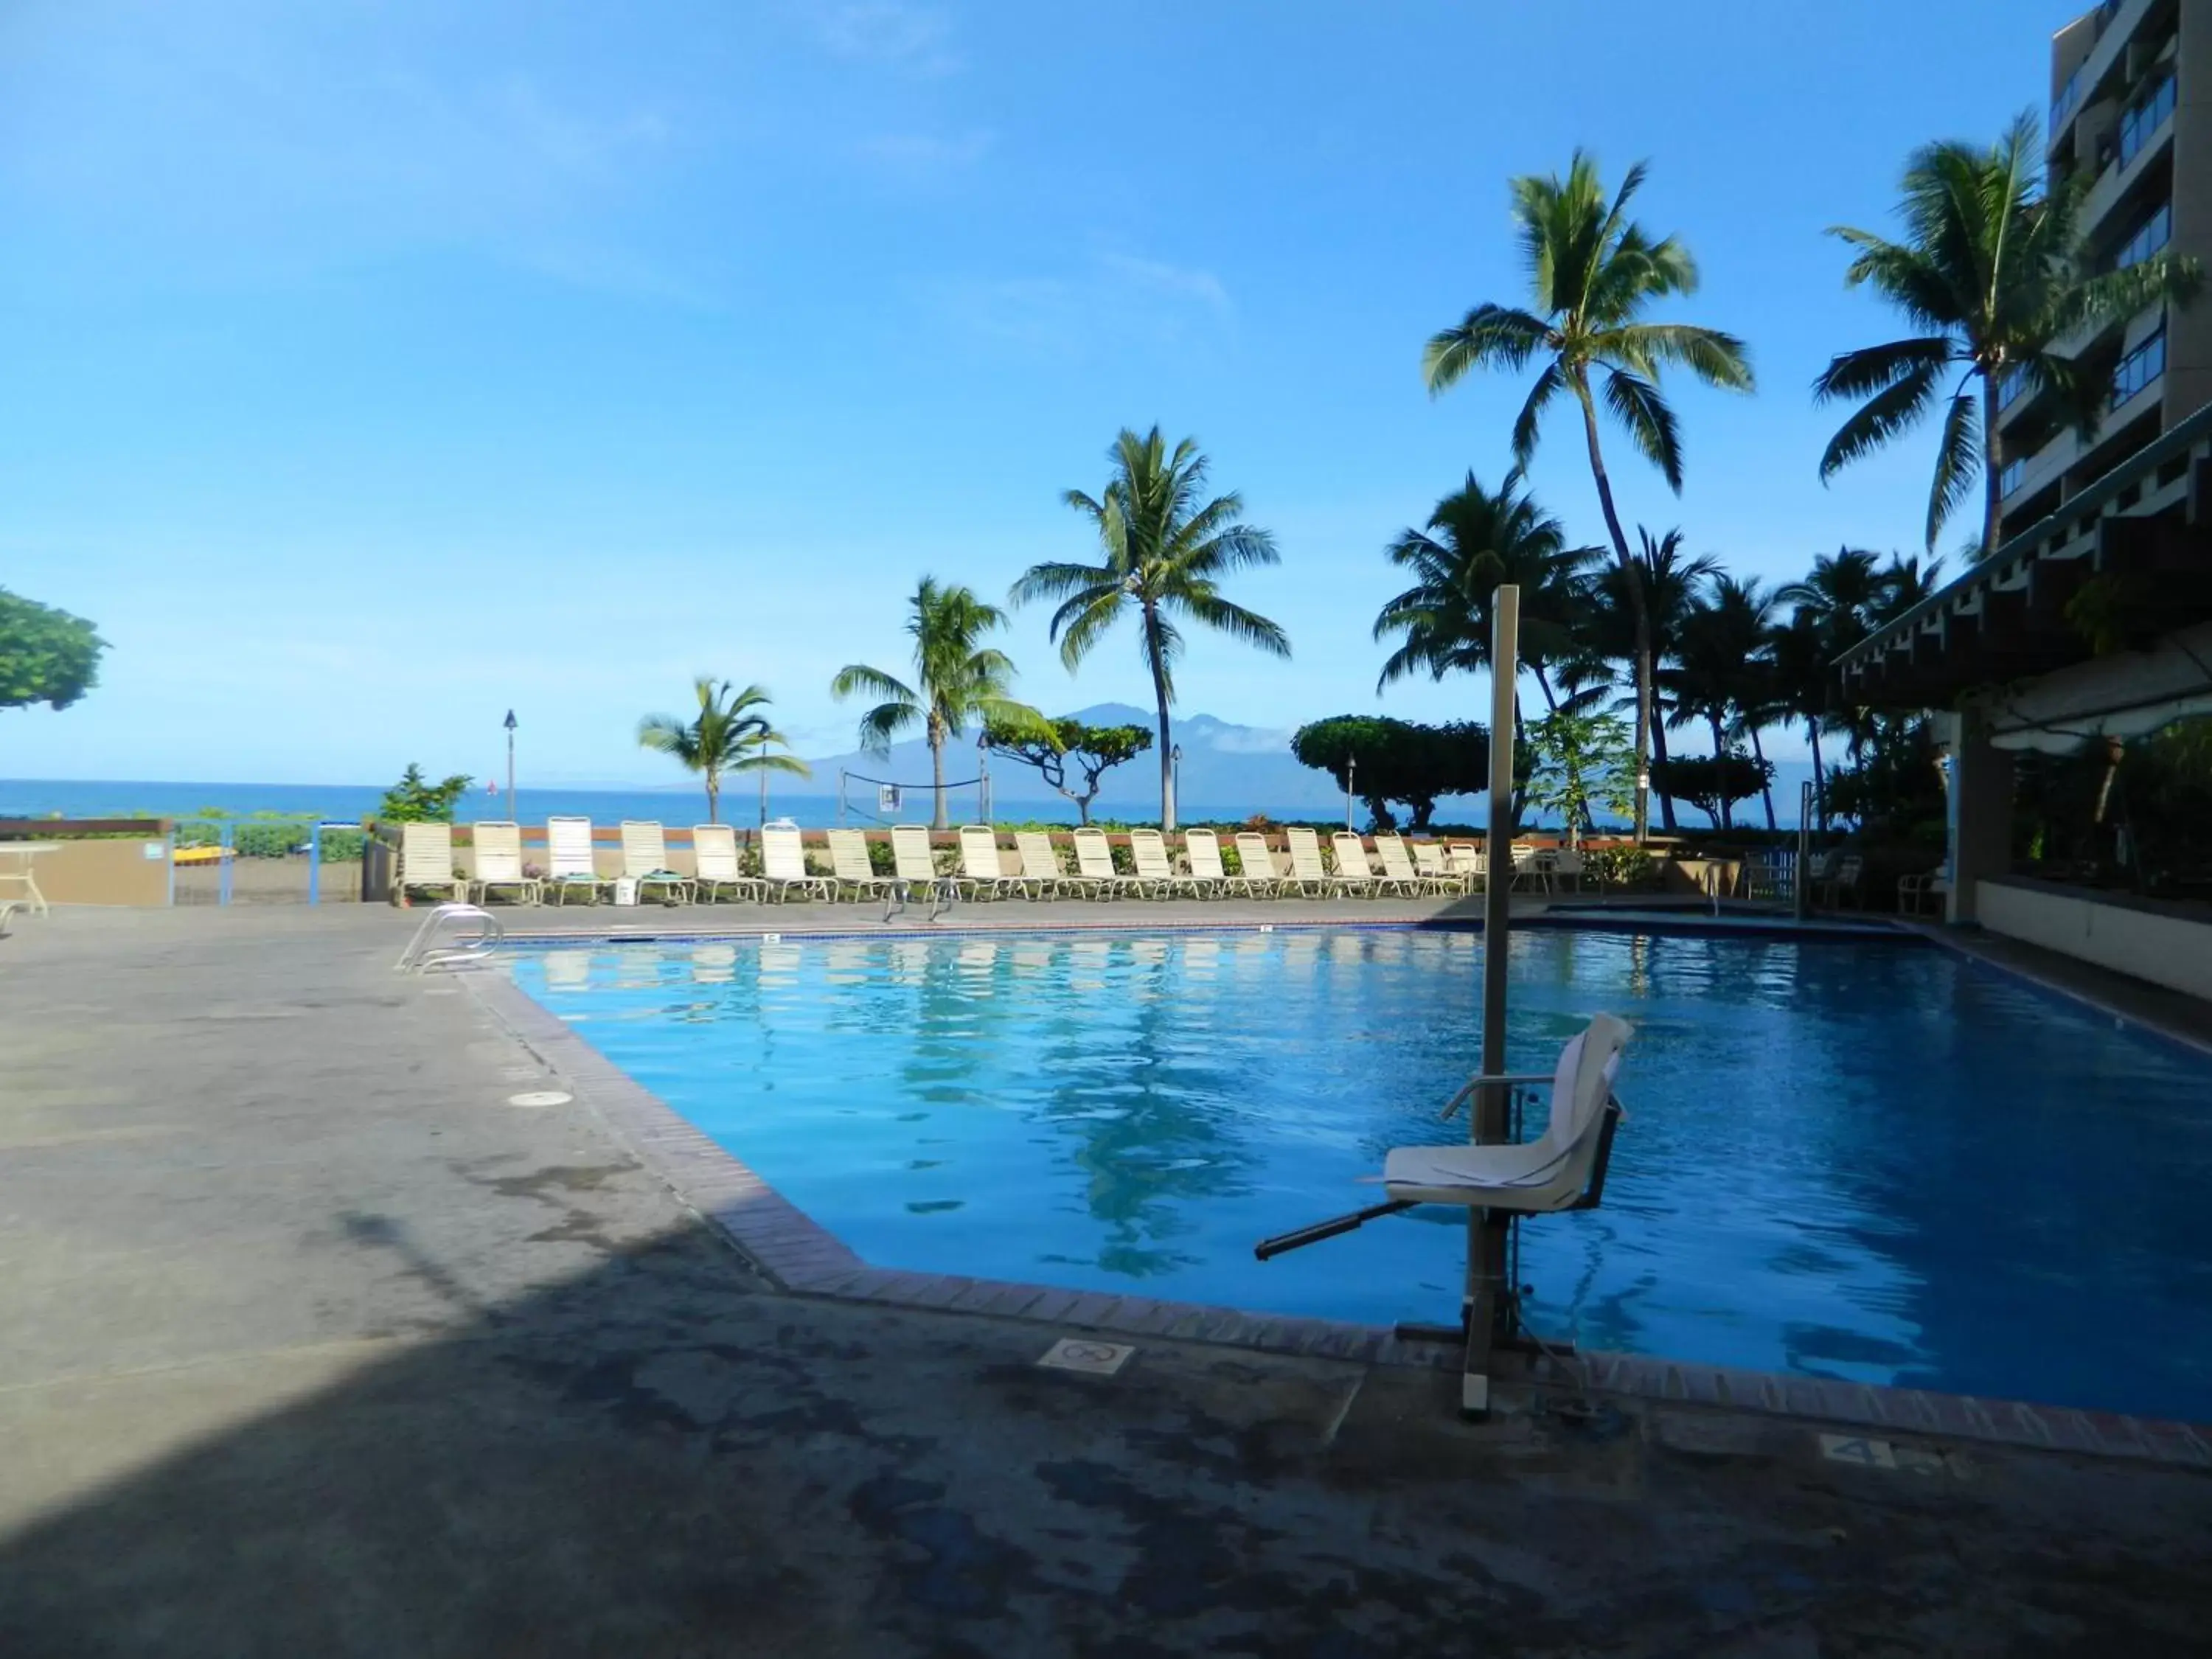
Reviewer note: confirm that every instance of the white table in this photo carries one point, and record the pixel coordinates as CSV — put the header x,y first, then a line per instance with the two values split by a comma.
x,y
16,857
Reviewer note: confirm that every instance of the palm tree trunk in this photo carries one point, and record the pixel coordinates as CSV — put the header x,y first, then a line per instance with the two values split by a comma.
x,y
714,795
1992,468
1160,698
937,774
1766,782
1659,759
1634,578
1544,684
1720,773
1819,775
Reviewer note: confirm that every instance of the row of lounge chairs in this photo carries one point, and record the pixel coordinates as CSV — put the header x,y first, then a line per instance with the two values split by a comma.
x,y
982,873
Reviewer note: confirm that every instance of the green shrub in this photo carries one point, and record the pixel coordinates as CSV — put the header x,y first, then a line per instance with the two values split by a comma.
x,y
1622,866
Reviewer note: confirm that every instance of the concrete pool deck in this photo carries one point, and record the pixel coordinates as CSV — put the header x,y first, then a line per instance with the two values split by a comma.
x,y
315,1342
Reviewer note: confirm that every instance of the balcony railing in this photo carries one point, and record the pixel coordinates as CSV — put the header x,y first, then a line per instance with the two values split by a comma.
x,y
2010,385
2139,369
2150,237
2008,479
2144,118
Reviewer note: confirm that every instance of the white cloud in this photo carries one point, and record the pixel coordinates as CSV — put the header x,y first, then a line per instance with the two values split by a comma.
x,y
1111,296
924,155
1158,276
910,37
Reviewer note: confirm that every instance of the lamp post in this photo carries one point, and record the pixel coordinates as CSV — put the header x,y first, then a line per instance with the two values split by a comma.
x,y
1350,766
511,819
1175,762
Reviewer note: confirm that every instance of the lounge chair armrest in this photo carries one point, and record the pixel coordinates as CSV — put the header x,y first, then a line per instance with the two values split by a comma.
x,y
1508,1078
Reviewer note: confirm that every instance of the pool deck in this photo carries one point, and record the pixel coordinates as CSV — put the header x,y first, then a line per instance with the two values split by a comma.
x,y
315,1342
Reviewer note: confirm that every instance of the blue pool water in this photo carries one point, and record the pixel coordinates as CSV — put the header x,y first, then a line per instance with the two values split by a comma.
x,y
1870,1161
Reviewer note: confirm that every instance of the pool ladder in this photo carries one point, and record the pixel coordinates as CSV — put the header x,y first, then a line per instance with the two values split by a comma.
x,y
452,936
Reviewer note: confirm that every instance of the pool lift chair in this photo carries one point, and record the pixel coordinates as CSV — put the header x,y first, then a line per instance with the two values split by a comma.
x,y
1563,1169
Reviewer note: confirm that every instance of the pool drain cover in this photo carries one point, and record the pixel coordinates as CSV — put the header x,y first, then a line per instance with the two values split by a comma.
x,y
1098,1359
540,1098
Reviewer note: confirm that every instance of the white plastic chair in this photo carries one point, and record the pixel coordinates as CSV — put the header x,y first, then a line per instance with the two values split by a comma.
x,y
570,865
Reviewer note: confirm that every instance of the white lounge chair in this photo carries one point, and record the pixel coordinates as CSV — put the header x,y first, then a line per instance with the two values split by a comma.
x,y
1156,871
982,873
1529,866
1307,875
916,862
1429,863
1353,873
851,867
426,861
717,869
570,865
1552,1172
1257,864
499,864
645,861
1398,871
1469,863
1202,850
783,865
1094,865
1567,865
1042,877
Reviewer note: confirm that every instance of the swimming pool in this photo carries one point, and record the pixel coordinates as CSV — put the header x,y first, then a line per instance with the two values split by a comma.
x,y
1872,1161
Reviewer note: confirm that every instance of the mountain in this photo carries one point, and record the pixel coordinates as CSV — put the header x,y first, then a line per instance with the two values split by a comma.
x,y
1229,771
1226,769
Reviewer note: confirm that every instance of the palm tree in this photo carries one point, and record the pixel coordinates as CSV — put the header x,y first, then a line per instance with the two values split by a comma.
x,y
1834,608
957,680
1474,543
1163,554
1719,674
1594,272
1664,583
1799,657
1993,272
729,734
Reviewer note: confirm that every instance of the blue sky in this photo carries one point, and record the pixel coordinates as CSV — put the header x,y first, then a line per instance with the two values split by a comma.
x,y
378,365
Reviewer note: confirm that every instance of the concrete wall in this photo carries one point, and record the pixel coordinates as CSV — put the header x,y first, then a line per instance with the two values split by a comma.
x,y
115,872
2159,944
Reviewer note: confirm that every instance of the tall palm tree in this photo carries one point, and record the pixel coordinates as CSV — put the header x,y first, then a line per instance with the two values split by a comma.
x,y
1163,550
730,733
1834,608
1663,583
1474,543
1594,272
1720,672
957,679
1798,655
1992,272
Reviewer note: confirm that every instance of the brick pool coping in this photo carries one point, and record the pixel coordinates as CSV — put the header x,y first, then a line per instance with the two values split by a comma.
x,y
802,1257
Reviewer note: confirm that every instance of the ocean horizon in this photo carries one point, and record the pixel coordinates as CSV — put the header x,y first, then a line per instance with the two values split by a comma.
x,y
36,798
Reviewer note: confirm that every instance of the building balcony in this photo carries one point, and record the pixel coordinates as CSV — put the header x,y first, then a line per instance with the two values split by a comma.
x,y
2116,24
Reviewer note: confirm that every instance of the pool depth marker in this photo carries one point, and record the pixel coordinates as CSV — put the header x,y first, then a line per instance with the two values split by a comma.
x,y
1489,1309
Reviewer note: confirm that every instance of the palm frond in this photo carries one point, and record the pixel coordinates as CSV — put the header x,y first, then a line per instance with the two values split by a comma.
x,y
858,679
1637,406
1870,370
1491,336
1718,359
1958,461
1547,387
1882,417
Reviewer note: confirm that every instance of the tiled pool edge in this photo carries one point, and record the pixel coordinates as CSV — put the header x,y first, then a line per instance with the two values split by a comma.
x,y
803,1258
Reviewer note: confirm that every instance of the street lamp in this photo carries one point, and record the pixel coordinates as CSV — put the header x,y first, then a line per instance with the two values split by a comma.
x,y
511,819
1350,766
1175,763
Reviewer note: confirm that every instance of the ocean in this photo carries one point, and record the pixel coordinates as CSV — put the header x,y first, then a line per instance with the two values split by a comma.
x,y
348,803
